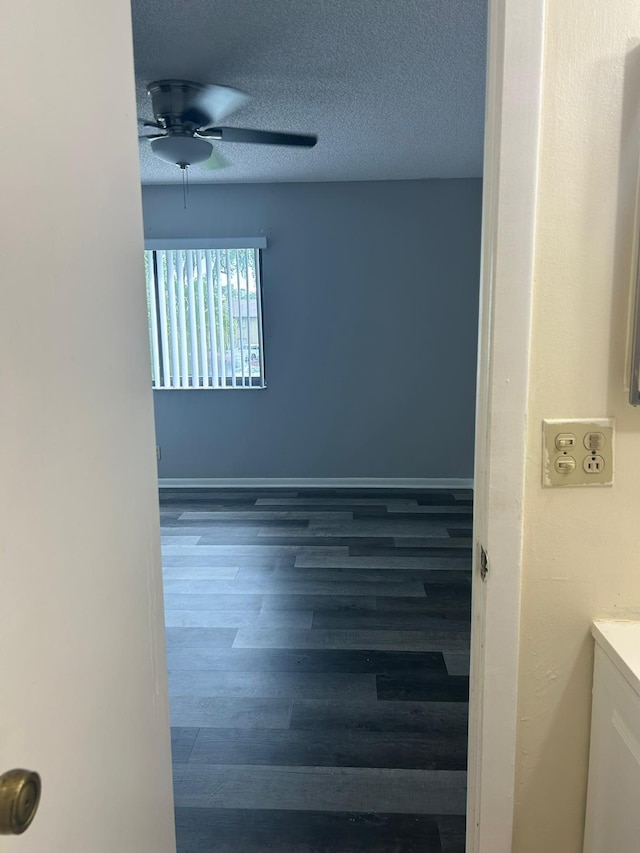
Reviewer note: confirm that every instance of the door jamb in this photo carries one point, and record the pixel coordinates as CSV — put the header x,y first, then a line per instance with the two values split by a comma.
x,y
513,122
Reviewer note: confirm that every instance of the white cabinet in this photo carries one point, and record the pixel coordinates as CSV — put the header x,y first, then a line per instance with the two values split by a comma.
x,y
613,801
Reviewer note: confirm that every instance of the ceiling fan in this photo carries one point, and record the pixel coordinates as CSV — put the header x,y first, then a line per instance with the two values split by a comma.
x,y
188,113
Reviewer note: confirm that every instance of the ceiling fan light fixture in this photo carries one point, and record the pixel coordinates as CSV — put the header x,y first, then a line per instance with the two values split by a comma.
x,y
182,151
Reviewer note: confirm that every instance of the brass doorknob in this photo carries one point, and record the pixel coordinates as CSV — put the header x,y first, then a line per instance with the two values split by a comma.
x,y
19,798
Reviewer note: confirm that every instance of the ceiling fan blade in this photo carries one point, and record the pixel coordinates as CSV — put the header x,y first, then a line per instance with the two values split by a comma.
x,y
214,103
152,135
258,137
215,162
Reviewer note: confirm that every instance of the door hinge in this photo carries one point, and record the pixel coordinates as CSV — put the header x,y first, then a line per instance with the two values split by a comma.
x,y
484,564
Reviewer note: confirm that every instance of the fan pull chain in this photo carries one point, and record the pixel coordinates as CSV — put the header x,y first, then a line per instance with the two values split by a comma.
x,y
184,186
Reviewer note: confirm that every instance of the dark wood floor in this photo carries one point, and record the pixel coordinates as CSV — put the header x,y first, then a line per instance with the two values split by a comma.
x,y
318,647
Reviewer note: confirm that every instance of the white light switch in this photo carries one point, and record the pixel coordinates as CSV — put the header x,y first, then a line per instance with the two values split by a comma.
x,y
565,440
565,465
577,453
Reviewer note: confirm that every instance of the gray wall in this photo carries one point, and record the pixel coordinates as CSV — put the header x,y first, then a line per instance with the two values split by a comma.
x,y
370,316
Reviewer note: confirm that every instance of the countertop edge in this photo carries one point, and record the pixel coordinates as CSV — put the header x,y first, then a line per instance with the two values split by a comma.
x,y
619,639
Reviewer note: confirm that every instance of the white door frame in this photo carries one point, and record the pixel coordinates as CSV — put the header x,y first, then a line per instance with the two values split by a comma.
x,y
513,118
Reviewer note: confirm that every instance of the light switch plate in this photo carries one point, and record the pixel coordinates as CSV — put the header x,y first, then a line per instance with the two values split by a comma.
x,y
587,460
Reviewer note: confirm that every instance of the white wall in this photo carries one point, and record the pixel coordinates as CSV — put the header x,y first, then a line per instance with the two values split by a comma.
x,y
581,549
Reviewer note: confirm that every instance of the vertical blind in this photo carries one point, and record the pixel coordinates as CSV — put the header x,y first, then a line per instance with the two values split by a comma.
x,y
205,317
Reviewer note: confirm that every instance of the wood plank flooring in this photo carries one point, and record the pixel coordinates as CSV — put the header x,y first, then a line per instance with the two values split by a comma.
x,y
318,650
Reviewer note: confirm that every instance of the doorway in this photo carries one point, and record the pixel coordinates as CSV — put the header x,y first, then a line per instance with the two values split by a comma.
x,y
370,293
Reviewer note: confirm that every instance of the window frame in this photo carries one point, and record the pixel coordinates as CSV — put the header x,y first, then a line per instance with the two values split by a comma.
x,y
204,244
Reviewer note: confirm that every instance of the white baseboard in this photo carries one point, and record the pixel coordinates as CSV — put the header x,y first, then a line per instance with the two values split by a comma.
x,y
316,483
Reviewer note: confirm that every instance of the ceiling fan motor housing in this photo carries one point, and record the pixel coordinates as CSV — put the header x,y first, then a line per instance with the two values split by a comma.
x,y
174,104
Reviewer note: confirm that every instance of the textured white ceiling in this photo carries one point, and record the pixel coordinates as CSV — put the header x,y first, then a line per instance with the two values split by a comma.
x,y
394,89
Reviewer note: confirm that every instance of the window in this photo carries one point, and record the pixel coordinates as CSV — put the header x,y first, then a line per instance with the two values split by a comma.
x,y
205,313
